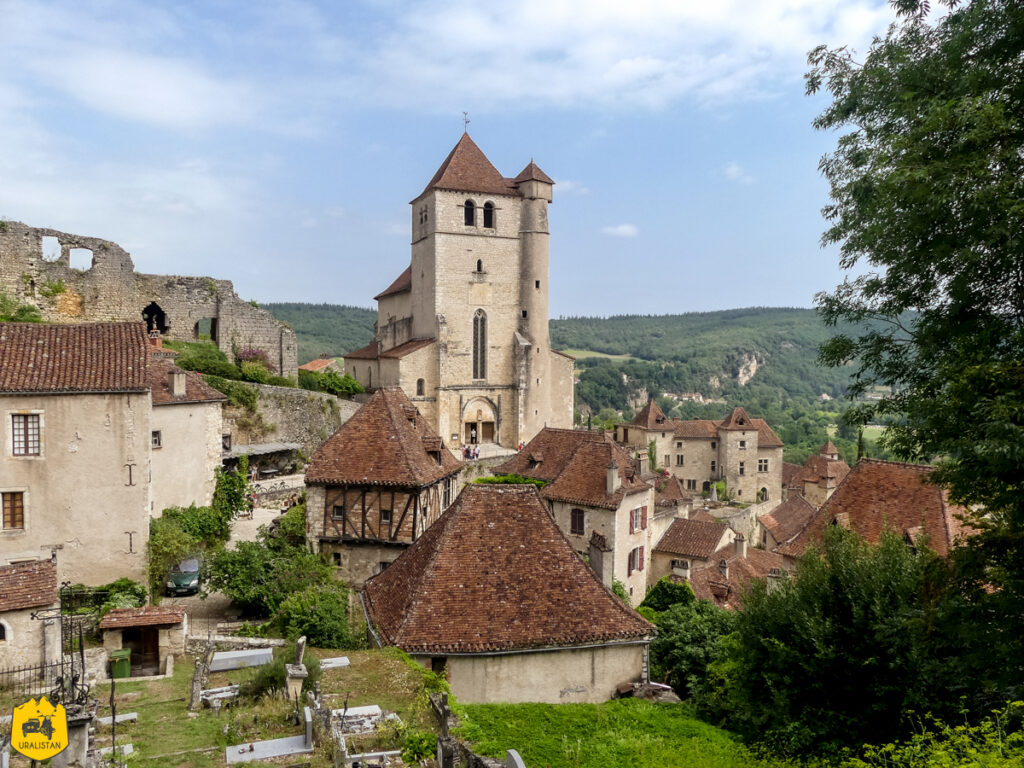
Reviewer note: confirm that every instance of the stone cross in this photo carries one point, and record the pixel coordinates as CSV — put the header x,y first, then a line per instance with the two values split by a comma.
x,y
300,649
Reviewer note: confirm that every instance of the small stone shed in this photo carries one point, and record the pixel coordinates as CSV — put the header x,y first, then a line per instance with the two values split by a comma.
x,y
154,633
27,588
494,597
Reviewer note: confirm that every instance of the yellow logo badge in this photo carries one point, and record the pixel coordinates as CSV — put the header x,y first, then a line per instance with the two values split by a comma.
x,y
39,729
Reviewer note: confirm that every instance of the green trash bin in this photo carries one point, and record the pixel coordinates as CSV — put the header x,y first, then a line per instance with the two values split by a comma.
x,y
121,663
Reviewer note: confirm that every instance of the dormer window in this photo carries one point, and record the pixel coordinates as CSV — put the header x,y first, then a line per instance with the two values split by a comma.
x,y
470,213
489,215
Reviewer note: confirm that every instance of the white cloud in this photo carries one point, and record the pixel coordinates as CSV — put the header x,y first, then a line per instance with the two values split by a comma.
x,y
621,230
735,172
569,187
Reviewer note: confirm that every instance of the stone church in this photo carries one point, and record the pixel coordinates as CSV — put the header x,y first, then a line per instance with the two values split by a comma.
x,y
464,329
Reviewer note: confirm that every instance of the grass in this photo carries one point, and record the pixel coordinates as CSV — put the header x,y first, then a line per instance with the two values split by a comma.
x,y
623,732
581,353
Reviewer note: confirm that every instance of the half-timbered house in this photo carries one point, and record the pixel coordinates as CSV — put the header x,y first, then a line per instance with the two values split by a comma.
x,y
376,485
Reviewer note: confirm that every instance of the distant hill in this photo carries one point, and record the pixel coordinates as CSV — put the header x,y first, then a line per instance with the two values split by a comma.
x,y
325,329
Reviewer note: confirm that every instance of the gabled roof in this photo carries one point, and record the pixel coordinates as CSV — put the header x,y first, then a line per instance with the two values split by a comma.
x,y
88,357
576,465
467,169
196,390
791,474
369,352
402,284
668,491
699,428
28,585
651,417
147,616
886,495
532,173
711,583
823,471
737,419
691,538
495,573
382,444
789,518
317,365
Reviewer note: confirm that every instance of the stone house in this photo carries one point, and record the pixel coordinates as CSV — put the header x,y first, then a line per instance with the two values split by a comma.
x,y
744,452
688,545
785,521
820,475
598,499
878,496
463,330
75,460
185,438
734,569
496,598
153,633
376,485
27,587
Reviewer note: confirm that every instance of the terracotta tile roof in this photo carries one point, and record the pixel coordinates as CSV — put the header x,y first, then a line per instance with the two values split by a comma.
x,y
651,417
788,519
402,284
575,463
369,352
317,365
495,573
381,445
828,449
737,419
711,584
94,357
702,428
691,538
668,491
467,169
822,471
791,475
28,585
885,495
532,173
766,437
196,390
147,616
704,516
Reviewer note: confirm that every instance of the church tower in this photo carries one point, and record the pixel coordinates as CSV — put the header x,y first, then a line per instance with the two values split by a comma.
x,y
464,330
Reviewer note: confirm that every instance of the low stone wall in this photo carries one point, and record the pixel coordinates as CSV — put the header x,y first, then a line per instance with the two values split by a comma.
x,y
196,644
288,415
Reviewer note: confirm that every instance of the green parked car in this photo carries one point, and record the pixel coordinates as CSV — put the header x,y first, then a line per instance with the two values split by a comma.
x,y
184,578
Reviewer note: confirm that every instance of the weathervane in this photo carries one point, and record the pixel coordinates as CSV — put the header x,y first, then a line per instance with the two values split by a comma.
x,y
465,121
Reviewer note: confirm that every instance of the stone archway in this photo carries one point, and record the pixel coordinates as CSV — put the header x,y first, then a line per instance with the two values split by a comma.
x,y
479,421
155,317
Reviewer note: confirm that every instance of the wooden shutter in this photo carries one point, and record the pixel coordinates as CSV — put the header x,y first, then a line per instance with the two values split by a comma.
x,y
629,563
640,566
643,524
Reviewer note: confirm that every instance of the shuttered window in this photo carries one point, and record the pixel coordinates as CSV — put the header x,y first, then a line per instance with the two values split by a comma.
x,y
13,509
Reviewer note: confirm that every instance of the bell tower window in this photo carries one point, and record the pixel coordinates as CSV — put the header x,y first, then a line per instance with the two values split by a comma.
x,y
479,265
480,345
489,215
470,213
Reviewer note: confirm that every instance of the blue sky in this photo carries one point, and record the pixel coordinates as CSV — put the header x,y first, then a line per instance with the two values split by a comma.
x,y
278,144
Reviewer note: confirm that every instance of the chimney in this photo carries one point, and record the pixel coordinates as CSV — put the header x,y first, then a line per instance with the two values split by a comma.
x,y
155,339
723,566
681,568
612,481
740,544
177,382
644,462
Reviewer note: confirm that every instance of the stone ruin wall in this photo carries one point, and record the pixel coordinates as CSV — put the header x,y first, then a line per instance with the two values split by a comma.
x,y
111,290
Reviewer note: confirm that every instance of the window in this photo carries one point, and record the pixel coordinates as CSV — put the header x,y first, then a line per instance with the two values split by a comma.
x,y
713,444
667,460
336,557
635,561
479,265
338,511
714,466
420,386
3,634
13,510
743,445
470,213
742,469
691,485
157,439
25,431
489,215
762,495
385,517
439,665
225,442
369,377
480,345
762,465
383,564
524,313
576,522
679,460
638,519
536,283
682,565
679,445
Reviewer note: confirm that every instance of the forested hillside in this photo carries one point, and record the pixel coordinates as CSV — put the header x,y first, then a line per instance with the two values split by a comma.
x,y
325,329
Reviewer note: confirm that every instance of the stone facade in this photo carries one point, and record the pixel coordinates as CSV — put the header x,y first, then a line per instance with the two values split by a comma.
x,y
185,455
110,289
464,331
28,641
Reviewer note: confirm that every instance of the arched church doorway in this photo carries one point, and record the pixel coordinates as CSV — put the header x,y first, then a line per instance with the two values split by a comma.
x,y
156,318
479,422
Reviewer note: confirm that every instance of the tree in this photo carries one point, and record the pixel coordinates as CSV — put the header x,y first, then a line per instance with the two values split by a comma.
x,y
927,190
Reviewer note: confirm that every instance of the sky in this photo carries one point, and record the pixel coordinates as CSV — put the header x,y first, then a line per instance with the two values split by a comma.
x,y
278,144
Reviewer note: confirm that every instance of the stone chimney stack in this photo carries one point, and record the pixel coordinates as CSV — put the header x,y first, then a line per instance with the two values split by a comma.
x,y
681,568
644,462
741,545
177,382
155,339
613,481
723,566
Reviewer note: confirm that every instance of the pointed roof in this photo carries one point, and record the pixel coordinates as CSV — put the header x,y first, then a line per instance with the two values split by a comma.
x,y
650,417
495,573
828,449
532,173
383,443
738,419
467,169
402,284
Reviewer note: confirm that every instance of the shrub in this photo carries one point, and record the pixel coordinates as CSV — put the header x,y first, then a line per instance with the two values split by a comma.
x,y
319,612
273,677
331,382
418,746
168,545
256,356
231,494
238,394
205,524
667,593
510,480
258,578
254,372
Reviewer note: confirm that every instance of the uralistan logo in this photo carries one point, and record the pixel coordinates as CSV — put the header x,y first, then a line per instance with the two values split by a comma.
x,y
39,729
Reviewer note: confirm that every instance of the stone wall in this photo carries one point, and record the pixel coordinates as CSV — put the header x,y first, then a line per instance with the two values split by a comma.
x,y
107,287
288,415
